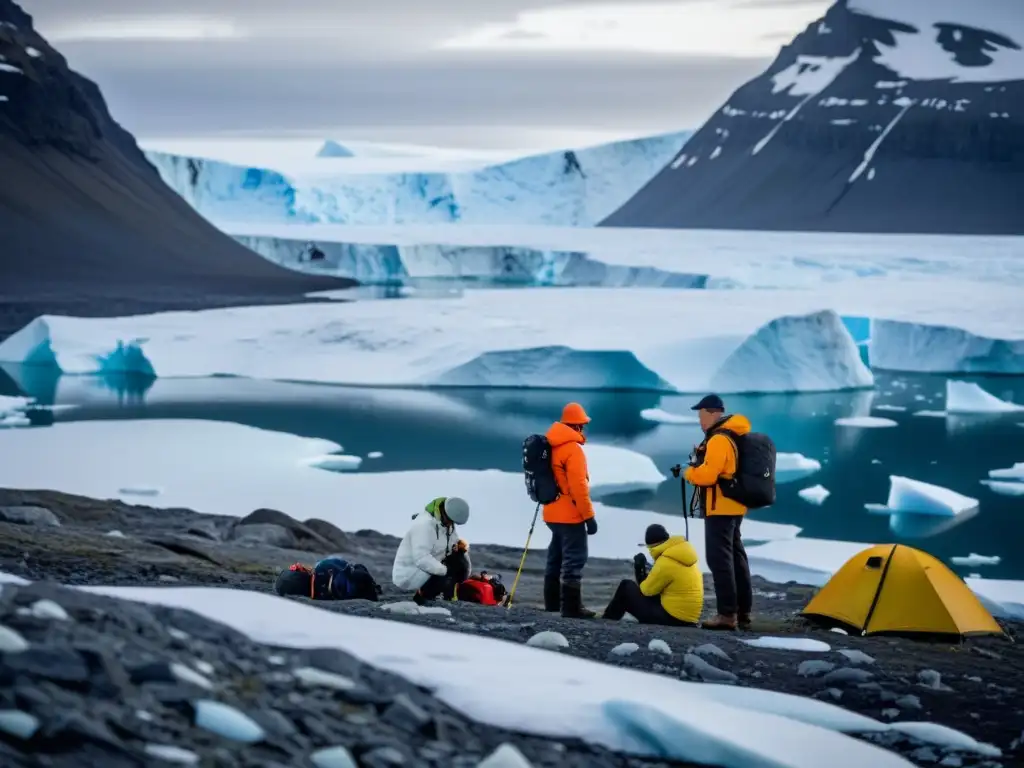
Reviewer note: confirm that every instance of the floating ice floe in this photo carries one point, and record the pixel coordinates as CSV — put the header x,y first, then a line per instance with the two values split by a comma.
x,y
918,510
865,422
336,462
975,560
481,339
664,417
791,467
1004,488
816,494
966,397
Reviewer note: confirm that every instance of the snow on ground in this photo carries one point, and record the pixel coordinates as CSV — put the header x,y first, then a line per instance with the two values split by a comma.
x,y
865,422
965,397
805,644
653,340
566,697
257,468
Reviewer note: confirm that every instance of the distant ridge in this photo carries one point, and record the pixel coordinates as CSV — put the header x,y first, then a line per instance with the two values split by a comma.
x,y
888,116
88,228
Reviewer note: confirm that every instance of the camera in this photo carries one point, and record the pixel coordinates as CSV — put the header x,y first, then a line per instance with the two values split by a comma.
x,y
677,469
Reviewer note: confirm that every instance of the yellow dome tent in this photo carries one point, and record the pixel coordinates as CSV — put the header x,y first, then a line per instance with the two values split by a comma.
x,y
898,589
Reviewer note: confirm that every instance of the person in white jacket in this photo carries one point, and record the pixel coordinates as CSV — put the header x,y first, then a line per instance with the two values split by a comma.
x,y
432,537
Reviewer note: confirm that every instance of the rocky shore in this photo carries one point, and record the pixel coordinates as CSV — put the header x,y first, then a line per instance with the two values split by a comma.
x,y
90,680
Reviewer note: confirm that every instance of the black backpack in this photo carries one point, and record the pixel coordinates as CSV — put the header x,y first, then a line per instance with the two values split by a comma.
x,y
540,477
753,486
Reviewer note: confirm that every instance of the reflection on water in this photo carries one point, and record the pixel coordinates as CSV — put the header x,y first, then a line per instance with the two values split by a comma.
x,y
483,429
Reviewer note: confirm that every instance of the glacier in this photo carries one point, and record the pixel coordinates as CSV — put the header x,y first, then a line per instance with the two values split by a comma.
x,y
576,187
529,338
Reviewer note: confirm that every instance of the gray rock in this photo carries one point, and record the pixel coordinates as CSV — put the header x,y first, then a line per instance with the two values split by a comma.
x,y
829,693
332,533
813,667
890,713
951,761
382,757
61,665
407,715
707,672
334,660
29,515
924,755
929,678
70,730
205,529
856,657
847,676
11,641
333,757
266,534
910,701
711,650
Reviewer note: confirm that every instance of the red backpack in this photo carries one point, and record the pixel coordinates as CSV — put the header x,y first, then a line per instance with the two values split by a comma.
x,y
483,589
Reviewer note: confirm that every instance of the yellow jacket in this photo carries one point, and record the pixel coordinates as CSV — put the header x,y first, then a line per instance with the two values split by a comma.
x,y
676,577
719,461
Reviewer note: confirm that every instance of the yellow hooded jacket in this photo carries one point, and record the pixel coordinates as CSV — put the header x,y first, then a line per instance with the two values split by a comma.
x,y
676,578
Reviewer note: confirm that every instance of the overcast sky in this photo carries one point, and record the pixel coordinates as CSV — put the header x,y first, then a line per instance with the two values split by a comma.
x,y
481,73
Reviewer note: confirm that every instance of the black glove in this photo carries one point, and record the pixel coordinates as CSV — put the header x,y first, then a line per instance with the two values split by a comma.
x,y
591,526
639,567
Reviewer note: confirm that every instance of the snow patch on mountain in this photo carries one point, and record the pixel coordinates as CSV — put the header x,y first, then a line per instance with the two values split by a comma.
x,y
569,188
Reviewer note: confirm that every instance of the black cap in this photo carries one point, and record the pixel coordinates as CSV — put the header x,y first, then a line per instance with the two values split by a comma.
x,y
709,403
655,534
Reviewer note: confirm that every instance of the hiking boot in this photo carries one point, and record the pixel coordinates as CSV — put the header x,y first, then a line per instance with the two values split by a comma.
x,y
720,621
743,621
552,594
572,603
418,598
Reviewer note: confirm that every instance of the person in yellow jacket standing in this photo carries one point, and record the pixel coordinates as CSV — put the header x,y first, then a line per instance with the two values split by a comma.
x,y
671,593
715,459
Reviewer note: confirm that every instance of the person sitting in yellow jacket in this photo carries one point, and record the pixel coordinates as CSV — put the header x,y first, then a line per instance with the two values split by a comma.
x,y
671,593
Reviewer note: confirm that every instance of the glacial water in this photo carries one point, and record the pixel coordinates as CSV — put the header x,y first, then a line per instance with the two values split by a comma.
x,y
483,429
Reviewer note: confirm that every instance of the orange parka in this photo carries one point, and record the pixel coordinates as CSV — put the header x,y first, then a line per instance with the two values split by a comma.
x,y
569,463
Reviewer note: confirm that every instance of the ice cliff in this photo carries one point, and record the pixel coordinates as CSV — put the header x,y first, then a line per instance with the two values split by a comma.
x,y
566,188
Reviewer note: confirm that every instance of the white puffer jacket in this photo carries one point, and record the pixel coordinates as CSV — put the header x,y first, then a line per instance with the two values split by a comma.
x,y
423,547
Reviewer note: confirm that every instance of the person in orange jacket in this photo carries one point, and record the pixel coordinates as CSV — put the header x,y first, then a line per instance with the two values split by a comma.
x,y
570,517
714,459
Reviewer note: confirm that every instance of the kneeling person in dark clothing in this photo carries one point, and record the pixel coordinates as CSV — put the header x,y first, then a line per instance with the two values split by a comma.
x,y
671,593
332,578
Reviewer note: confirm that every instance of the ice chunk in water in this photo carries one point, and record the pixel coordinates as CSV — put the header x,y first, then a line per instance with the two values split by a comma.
x,y
914,496
790,467
865,422
965,397
816,494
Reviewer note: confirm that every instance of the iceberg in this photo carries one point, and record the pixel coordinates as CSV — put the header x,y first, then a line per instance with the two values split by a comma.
x,y
645,340
965,397
865,422
1016,473
1004,488
815,495
573,187
919,510
904,346
791,467
404,262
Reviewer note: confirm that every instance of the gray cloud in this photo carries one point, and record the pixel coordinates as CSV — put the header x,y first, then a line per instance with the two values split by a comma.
x,y
368,69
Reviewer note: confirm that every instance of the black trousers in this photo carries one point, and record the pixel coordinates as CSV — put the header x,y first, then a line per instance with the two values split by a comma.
x,y
647,610
437,586
727,561
567,552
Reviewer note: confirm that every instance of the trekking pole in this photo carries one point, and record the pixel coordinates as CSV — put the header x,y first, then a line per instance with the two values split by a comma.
x,y
686,510
522,560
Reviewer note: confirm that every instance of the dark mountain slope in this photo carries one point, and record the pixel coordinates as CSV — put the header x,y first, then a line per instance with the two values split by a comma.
x,y
86,225
912,123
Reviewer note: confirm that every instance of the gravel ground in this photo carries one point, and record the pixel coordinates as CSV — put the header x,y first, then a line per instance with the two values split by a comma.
x,y
974,687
